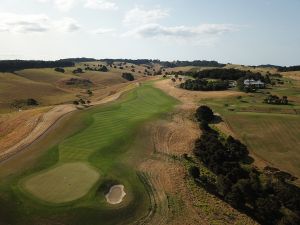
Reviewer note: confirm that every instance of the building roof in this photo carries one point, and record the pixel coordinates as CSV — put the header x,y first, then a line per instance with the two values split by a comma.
x,y
254,82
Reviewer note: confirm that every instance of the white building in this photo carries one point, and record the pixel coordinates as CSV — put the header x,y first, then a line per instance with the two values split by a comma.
x,y
256,83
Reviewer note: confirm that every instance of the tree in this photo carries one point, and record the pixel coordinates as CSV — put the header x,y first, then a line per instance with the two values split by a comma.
x,y
204,113
89,92
235,198
223,185
78,70
267,209
128,76
103,69
60,70
32,102
194,172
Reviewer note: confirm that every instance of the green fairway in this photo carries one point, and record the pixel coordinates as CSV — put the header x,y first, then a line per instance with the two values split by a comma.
x,y
78,172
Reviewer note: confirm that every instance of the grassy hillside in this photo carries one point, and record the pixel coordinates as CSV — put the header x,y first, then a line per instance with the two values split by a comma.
x,y
106,144
272,132
49,87
14,87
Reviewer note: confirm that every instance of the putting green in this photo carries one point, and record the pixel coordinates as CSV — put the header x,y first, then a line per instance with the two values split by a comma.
x,y
63,183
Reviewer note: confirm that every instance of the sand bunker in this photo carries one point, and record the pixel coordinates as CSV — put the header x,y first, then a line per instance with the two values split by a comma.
x,y
115,194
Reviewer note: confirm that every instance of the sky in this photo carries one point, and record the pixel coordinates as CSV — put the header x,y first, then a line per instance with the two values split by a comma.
x,y
230,31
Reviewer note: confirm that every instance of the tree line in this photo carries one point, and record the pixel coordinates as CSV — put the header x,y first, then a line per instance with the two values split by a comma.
x,y
14,65
200,63
288,69
269,200
172,64
225,74
204,85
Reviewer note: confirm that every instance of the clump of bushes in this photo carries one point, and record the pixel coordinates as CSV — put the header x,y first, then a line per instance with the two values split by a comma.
x,y
204,113
78,70
128,76
79,82
24,102
274,99
60,70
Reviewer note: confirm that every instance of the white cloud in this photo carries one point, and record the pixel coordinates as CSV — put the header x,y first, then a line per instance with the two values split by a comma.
x,y
11,22
156,30
205,34
141,16
103,31
34,23
67,25
101,4
63,5
66,5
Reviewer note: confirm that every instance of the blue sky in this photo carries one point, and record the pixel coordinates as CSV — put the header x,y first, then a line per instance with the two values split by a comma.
x,y
236,31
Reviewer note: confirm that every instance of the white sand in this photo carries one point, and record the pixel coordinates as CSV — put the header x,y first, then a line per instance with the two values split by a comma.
x,y
115,194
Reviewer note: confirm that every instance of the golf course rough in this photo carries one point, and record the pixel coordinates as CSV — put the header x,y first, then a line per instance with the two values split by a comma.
x,y
101,148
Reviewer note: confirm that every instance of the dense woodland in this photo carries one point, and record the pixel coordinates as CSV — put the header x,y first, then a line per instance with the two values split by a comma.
x,y
204,85
225,74
202,63
288,69
13,65
268,199
172,64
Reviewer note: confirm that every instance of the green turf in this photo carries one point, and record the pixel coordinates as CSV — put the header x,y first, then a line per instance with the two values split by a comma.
x,y
63,183
272,132
273,137
107,142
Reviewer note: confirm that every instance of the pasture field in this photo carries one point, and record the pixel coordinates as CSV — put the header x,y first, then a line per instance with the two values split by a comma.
x,y
103,139
13,87
272,132
273,137
48,86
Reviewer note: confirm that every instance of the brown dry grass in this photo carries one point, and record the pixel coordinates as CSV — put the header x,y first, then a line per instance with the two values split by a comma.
x,y
16,126
178,200
295,75
191,97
